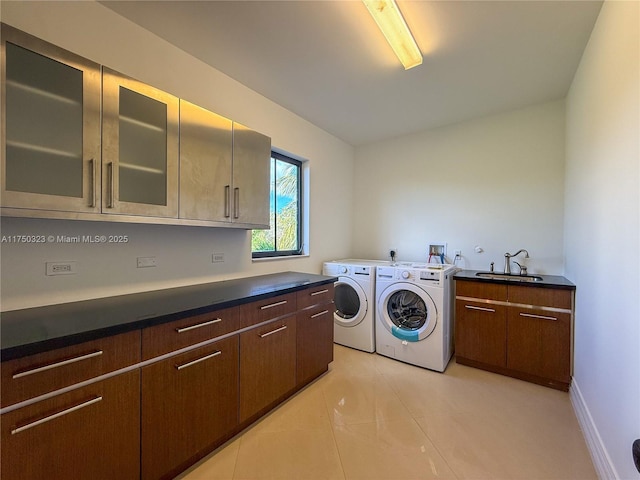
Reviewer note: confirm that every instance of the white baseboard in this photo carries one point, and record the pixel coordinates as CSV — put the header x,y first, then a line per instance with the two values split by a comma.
x,y
601,460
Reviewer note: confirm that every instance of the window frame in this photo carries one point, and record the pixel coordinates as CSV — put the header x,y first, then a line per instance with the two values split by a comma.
x,y
275,156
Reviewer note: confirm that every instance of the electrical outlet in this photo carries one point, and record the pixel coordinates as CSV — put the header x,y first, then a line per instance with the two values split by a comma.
x,y
458,253
61,268
393,253
146,262
217,258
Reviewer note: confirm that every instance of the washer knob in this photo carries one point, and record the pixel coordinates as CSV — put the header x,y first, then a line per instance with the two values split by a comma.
x,y
343,269
405,274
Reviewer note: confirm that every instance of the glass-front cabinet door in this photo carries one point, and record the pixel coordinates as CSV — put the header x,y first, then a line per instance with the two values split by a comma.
x,y
50,142
139,148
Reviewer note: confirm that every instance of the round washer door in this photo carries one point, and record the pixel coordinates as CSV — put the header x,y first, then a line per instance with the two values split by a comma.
x,y
350,302
407,311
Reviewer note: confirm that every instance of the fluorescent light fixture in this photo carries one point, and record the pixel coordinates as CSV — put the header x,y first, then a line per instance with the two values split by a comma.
x,y
389,19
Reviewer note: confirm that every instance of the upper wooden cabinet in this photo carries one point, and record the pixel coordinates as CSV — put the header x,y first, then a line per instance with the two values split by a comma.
x,y
50,142
78,142
139,148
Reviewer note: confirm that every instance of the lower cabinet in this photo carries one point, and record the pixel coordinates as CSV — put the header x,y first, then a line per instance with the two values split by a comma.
x,y
267,365
180,403
88,433
480,332
189,402
521,331
314,342
539,343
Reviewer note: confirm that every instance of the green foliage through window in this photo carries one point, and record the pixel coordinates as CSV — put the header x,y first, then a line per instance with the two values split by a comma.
x,y
285,204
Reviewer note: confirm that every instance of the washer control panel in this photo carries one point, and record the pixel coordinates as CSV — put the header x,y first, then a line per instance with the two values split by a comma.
x,y
421,273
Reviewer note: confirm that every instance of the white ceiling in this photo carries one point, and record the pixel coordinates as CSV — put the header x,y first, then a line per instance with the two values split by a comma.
x,y
327,62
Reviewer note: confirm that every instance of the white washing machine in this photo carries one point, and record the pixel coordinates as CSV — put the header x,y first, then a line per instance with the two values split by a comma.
x,y
354,318
414,318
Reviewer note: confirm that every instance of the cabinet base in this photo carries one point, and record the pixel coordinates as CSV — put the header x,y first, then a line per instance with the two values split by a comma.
x,y
546,382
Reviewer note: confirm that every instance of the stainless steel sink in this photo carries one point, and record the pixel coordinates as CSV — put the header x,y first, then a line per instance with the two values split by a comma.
x,y
509,277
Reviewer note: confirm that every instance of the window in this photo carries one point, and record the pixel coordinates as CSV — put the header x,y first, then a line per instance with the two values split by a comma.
x,y
285,207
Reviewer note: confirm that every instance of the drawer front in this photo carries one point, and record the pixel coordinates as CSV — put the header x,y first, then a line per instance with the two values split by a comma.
x,y
263,310
490,291
172,336
543,297
315,296
35,375
91,432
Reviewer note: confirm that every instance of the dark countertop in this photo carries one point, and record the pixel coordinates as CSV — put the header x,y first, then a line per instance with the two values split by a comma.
x,y
33,330
548,281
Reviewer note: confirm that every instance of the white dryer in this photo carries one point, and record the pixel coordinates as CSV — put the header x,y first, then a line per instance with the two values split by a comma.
x,y
414,318
354,298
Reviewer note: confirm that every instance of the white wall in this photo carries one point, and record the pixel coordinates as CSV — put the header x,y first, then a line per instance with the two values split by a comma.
x,y
184,253
496,182
602,236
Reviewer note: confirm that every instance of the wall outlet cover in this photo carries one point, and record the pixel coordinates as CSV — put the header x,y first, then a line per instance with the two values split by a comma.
x,y
61,268
146,262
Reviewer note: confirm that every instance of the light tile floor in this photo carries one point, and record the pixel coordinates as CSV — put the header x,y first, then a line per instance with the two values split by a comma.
x,y
371,417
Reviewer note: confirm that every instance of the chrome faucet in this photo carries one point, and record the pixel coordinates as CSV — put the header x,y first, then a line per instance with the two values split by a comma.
x,y
507,259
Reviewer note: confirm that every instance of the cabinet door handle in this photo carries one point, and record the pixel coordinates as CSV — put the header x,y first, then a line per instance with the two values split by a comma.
x,y
283,327
111,184
57,364
236,202
55,415
541,317
471,307
271,305
198,360
198,325
319,314
319,292
227,201
92,202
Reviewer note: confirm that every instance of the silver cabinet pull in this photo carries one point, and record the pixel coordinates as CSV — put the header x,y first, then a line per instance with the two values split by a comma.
x,y
541,317
57,364
55,415
236,202
283,327
198,360
319,292
227,200
203,324
92,202
111,184
271,305
319,314
471,307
